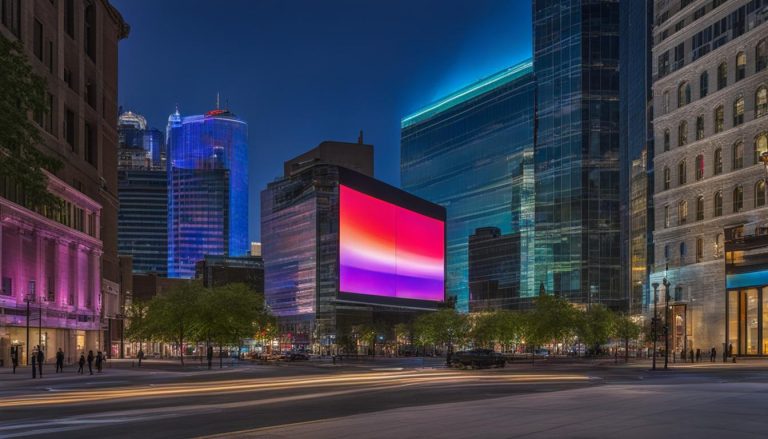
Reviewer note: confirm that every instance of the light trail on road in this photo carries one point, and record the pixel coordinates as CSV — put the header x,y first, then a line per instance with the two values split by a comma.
x,y
315,382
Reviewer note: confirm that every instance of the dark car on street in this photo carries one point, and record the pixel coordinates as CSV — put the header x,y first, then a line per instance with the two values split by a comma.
x,y
477,358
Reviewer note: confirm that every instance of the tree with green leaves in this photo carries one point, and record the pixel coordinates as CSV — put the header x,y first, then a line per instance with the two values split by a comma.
x,y
444,327
136,315
173,316
594,326
551,320
23,93
485,328
510,328
626,329
403,333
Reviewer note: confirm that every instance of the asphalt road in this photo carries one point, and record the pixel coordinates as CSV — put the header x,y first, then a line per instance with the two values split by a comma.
x,y
287,399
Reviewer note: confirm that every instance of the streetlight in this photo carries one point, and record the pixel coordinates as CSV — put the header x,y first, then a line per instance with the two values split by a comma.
x,y
666,322
655,319
27,299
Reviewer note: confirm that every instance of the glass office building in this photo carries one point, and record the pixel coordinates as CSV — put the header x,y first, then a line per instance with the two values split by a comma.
x,y
207,189
576,60
143,219
472,152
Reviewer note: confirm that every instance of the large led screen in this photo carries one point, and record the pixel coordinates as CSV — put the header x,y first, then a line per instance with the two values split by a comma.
x,y
387,250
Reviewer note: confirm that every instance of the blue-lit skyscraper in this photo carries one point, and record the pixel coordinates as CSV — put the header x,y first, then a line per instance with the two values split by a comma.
x,y
576,60
472,152
207,189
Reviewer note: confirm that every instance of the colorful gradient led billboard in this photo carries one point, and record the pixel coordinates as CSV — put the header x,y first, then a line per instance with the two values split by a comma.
x,y
387,250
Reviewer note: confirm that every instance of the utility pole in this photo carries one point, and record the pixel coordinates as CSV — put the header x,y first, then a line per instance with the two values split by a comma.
x,y
655,319
666,322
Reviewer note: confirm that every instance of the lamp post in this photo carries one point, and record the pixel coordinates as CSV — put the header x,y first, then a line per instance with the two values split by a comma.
x,y
28,298
666,322
655,319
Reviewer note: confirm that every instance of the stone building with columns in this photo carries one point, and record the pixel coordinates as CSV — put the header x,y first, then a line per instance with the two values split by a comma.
x,y
710,91
73,45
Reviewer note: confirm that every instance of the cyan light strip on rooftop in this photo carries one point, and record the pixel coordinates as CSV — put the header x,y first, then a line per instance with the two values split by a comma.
x,y
475,89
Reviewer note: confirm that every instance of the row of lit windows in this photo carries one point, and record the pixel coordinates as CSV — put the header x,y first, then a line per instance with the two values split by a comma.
x,y
737,204
737,162
718,249
718,119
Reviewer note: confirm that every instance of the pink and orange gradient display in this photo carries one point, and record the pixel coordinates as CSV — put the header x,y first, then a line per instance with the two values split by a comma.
x,y
387,250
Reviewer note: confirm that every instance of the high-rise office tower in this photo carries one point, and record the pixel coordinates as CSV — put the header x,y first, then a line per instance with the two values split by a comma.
x,y
472,152
636,140
576,63
63,261
208,189
710,94
143,192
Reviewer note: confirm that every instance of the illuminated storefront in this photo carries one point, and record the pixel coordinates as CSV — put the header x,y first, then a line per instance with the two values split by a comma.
x,y
746,266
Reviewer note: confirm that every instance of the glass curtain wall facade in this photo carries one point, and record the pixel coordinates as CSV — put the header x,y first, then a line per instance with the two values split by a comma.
x,y
576,61
207,189
636,21
472,152
143,219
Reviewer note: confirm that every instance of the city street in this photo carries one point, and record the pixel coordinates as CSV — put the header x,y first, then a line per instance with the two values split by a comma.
x,y
389,398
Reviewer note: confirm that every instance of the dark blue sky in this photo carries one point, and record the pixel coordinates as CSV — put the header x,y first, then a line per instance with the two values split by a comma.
x,y
300,72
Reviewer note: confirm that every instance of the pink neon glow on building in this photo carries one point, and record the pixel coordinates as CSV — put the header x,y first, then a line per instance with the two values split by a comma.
x,y
387,250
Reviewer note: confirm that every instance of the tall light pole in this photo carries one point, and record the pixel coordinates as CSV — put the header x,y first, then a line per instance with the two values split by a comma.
x,y
28,298
666,322
655,319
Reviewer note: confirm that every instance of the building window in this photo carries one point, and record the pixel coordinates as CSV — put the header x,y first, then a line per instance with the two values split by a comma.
x,y
761,55
51,52
741,66
69,17
699,167
722,76
68,78
719,119
738,199
682,174
666,217
718,162
683,94
70,129
761,102
682,133
89,36
718,245
663,64
718,204
682,212
699,208
90,94
667,179
682,252
10,15
761,146
738,112
665,102
37,39
666,140
760,193
91,147
738,156
666,252
7,287
699,249
49,123
703,84
699,127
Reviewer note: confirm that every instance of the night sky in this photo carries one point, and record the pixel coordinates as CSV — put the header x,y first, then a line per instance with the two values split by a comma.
x,y
300,72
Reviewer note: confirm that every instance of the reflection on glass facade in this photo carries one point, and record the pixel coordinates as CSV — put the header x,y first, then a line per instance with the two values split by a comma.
x,y
576,55
494,269
636,139
472,152
140,147
143,219
207,189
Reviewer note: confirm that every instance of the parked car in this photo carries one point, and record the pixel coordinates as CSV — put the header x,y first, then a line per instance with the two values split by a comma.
x,y
296,356
477,358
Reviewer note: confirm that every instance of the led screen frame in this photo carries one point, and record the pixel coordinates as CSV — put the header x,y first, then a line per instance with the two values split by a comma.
x,y
410,204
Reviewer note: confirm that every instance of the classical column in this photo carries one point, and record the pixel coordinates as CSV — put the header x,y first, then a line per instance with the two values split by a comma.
x,y
1,253
40,292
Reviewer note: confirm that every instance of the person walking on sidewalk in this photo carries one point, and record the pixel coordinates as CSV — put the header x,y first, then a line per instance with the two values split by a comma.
x,y
59,361
34,364
40,359
90,362
81,363
99,359
140,356
14,358
713,355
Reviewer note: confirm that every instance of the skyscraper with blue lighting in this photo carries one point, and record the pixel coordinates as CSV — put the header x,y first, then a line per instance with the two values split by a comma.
x,y
207,189
472,152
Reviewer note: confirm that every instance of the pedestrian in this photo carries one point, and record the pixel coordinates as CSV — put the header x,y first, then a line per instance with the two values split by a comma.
x,y
140,356
40,359
59,361
698,355
14,357
730,350
209,355
682,354
99,359
714,355
81,363
34,364
90,362
691,355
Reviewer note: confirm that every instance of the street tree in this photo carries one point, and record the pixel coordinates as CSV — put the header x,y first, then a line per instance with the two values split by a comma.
x,y
626,329
551,320
594,326
23,93
137,330
173,316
